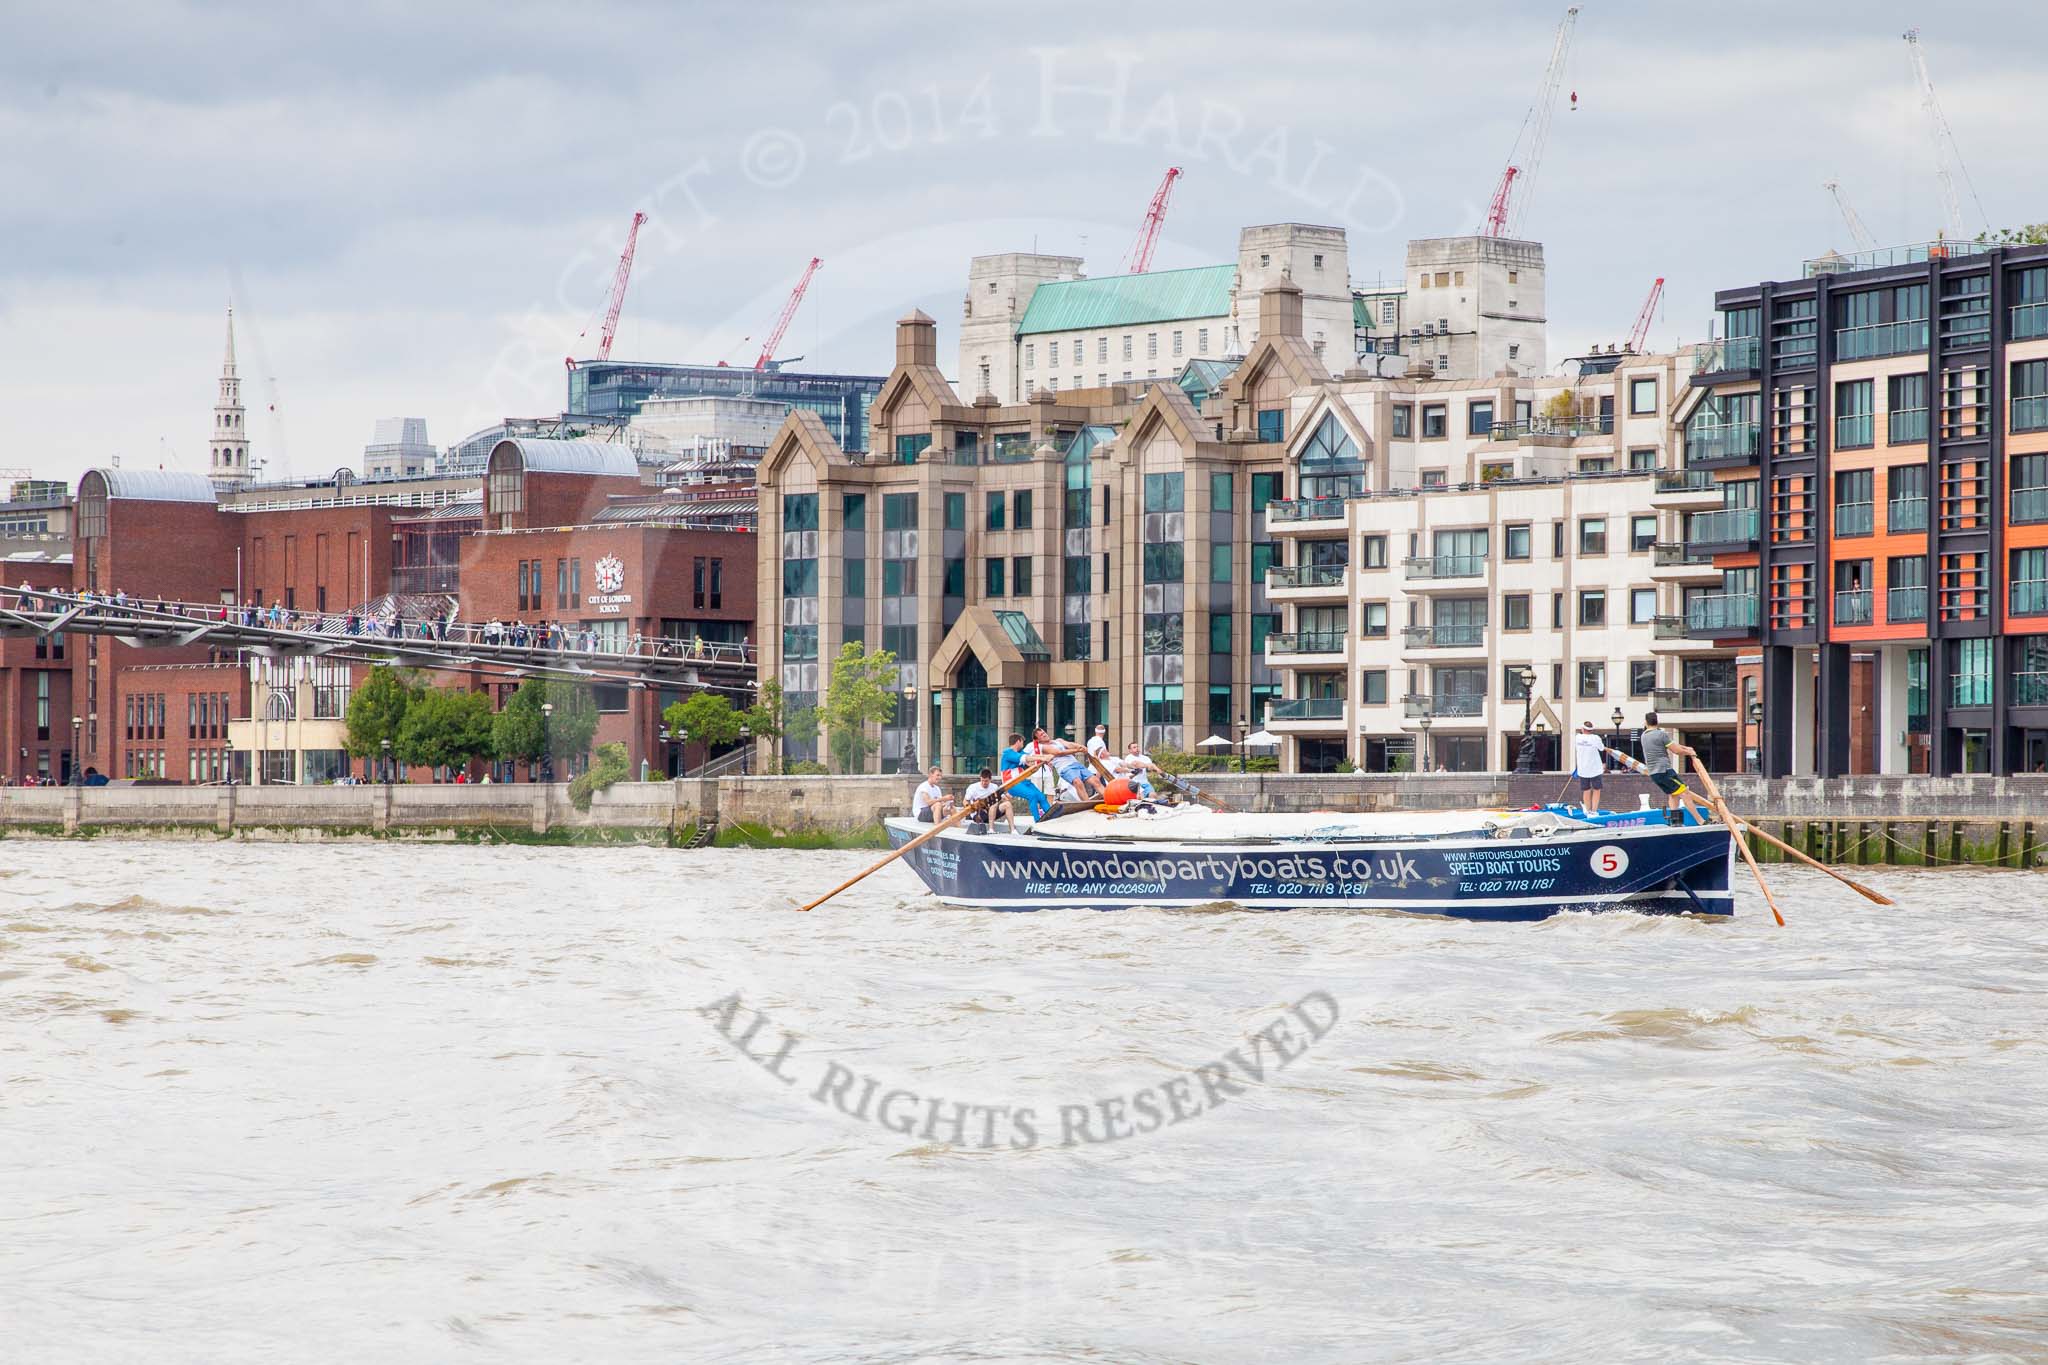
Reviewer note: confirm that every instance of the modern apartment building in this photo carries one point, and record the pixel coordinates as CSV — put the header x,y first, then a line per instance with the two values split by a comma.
x,y
1869,444
1092,555
1442,538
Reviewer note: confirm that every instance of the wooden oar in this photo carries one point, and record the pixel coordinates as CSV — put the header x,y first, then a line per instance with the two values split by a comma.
x,y
955,818
1858,887
1164,776
1741,845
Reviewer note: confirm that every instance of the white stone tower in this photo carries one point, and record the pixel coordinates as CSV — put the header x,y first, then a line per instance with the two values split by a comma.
x,y
228,462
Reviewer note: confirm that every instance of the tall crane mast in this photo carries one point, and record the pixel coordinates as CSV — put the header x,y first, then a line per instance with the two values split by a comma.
x,y
1642,328
1945,149
1504,216
1140,259
618,297
796,296
1857,232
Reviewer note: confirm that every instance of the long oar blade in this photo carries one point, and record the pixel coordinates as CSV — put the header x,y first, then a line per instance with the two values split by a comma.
x,y
955,818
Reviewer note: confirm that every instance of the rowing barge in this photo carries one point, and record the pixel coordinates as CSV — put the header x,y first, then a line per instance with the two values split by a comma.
x,y
1476,864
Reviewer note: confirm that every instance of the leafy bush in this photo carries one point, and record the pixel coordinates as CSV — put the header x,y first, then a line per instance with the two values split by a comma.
x,y
610,767
805,767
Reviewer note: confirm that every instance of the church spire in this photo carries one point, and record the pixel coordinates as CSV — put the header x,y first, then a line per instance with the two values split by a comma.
x,y
228,453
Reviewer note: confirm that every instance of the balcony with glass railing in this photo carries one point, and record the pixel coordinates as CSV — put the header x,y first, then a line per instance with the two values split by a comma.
x,y
2030,413
2029,597
1686,481
1667,627
1305,576
1874,339
1720,613
1456,635
1673,699
1905,604
1855,518
1878,258
1306,642
1852,607
2029,320
1308,708
1904,426
1568,428
1442,705
1729,526
1854,429
1905,514
1305,509
1733,443
1445,566
2030,688
1671,555
1729,355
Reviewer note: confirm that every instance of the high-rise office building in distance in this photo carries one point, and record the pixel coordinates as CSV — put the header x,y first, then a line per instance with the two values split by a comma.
x,y
616,389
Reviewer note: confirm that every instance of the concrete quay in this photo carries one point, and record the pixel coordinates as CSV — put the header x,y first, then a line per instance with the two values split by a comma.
x,y
1911,821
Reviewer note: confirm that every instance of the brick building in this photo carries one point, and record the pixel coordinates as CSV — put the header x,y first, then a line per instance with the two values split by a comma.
x,y
35,683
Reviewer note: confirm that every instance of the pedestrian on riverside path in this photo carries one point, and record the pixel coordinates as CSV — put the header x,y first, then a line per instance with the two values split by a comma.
x,y
1658,746
1012,760
1589,765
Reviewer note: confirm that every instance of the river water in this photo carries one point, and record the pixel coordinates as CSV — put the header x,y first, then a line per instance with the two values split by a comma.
x,y
341,1103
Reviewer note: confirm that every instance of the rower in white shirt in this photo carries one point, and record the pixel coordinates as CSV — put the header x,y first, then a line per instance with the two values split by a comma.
x,y
1132,766
929,803
980,789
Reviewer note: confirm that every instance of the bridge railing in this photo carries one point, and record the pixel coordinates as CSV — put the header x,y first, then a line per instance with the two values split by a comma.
x,y
391,626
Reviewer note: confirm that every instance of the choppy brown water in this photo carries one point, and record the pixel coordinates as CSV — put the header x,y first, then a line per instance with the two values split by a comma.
x,y
373,1102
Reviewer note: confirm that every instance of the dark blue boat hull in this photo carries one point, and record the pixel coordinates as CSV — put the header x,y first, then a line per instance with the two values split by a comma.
x,y
1651,868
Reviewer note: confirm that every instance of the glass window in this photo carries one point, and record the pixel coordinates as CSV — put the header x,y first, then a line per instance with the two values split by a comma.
x,y
1219,492
1642,397
1265,489
1593,679
1219,632
1479,417
1374,616
1592,535
1642,533
1272,424
1516,541
1219,563
1372,687
1020,509
1642,677
1512,687
956,511
1642,606
908,448
1853,425
1375,548
1643,457
1404,417
954,581
997,505
1433,421
1515,611
1593,606
1163,492
1020,575
992,570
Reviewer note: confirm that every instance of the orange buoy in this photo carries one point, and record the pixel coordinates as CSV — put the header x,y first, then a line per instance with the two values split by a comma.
x,y
1118,792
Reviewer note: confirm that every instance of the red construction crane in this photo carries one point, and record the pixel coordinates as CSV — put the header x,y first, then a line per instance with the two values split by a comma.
x,y
796,296
1140,259
1527,154
1642,327
618,299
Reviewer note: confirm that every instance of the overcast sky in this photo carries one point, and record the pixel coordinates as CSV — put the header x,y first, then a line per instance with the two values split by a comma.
x,y
418,216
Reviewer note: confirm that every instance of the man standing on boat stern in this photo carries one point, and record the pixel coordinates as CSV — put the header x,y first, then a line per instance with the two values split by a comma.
x,y
1013,759
1589,765
1658,746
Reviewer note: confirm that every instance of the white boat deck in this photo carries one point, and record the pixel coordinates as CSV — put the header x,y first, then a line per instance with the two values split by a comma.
x,y
1200,825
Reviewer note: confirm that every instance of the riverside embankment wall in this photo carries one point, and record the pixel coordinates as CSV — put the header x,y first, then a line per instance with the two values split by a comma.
x,y
1999,820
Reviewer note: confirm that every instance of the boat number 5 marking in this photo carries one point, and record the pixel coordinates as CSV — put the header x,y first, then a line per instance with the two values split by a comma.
x,y
1610,860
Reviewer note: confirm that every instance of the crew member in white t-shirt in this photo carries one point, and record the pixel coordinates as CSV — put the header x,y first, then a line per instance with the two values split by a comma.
x,y
983,787
1133,766
929,804
1098,743
1589,765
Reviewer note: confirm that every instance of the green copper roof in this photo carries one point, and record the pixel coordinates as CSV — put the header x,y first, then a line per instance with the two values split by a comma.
x,y
1361,313
1121,300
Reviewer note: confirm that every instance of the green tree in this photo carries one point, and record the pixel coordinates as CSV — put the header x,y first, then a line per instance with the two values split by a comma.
x,y
376,712
2027,234
609,768
445,727
708,717
523,730
862,692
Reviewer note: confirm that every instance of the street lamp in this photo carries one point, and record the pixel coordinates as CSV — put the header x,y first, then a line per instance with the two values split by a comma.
x,y
908,766
1620,736
1243,750
1756,747
1422,723
385,744
1525,753
77,767
746,748
547,752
